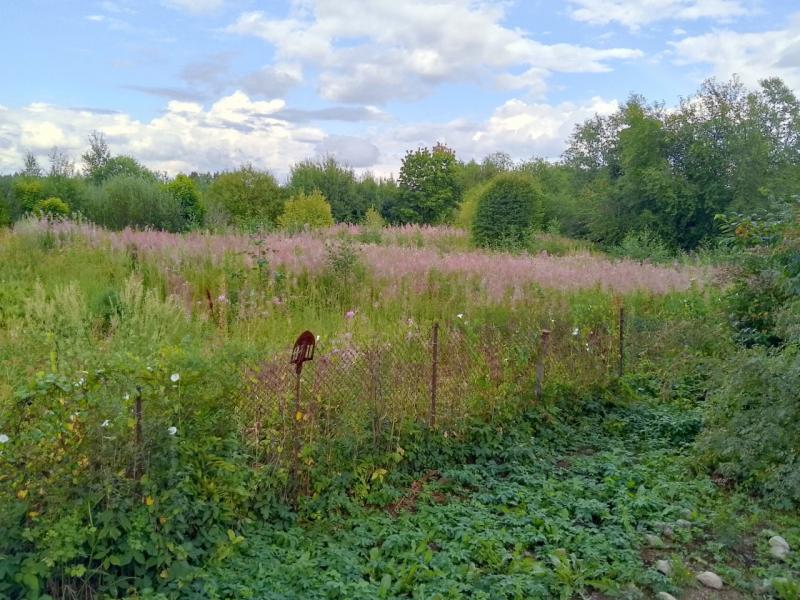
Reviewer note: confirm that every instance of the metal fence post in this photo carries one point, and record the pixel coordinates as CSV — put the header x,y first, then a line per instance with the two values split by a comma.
x,y
621,367
434,374
540,362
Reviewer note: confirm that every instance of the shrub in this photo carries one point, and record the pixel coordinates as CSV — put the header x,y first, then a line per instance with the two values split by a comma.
x,y
644,245
508,210
306,211
131,201
51,207
184,190
247,198
753,424
27,192
465,216
372,227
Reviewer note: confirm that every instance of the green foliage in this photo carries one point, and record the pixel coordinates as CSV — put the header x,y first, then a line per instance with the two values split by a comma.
x,y
754,424
306,211
132,201
247,197
27,192
51,207
119,166
465,217
644,245
429,187
185,191
337,183
508,212
372,227
647,168
504,517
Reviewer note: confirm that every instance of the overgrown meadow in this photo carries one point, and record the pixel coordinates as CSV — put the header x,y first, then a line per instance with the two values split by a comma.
x,y
145,428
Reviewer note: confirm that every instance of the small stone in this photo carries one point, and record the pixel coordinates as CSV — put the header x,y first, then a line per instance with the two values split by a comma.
x,y
668,532
687,513
778,541
778,547
665,596
663,567
683,523
779,552
709,579
653,540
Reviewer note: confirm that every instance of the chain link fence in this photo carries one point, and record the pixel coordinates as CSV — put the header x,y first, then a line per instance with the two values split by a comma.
x,y
442,376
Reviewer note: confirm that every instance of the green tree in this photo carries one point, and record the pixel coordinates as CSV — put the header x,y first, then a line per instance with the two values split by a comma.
x,y
51,207
508,212
27,192
185,191
306,211
96,158
429,188
31,166
121,166
131,201
247,197
337,183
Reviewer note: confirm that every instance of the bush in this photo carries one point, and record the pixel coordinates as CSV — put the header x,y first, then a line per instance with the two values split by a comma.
x,y
27,192
131,201
465,217
508,211
753,424
51,207
303,211
644,245
247,198
184,190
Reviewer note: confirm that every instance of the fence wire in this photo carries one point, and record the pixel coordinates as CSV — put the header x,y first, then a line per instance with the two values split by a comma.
x,y
443,376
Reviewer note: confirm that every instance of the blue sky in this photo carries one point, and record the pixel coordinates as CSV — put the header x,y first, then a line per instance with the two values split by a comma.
x,y
211,84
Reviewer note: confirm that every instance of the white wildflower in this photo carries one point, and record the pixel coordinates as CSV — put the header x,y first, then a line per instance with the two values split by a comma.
x,y
4,439
105,423
172,430
126,396
175,377
460,315
575,332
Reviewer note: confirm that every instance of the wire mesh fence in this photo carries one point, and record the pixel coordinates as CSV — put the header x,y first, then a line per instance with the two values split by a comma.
x,y
442,376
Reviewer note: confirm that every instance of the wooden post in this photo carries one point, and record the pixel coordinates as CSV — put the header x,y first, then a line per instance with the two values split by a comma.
x,y
540,362
434,374
137,417
296,417
621,367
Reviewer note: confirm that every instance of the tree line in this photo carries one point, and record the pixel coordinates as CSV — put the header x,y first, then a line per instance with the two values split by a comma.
x,y
646,172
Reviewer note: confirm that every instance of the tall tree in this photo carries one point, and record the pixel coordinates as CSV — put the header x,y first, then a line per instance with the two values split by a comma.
x,y
429,187
96,157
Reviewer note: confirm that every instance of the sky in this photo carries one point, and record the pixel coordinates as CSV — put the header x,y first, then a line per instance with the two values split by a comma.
x,y
210,85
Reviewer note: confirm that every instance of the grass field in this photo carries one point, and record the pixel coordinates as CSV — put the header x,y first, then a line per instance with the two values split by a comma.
x,y
155,447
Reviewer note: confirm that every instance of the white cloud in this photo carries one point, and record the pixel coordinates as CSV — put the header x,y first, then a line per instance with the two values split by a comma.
x,y
195,6
522,129
752,56
636,13
236,129
187,136
373,52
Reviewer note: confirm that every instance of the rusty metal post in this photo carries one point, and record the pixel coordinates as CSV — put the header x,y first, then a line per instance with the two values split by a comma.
x,y
621,367
543,345
434,374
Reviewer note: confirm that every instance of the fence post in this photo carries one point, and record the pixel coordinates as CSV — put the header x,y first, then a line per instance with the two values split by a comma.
x,y
137,417
621,367
540,362
296,418
434,374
